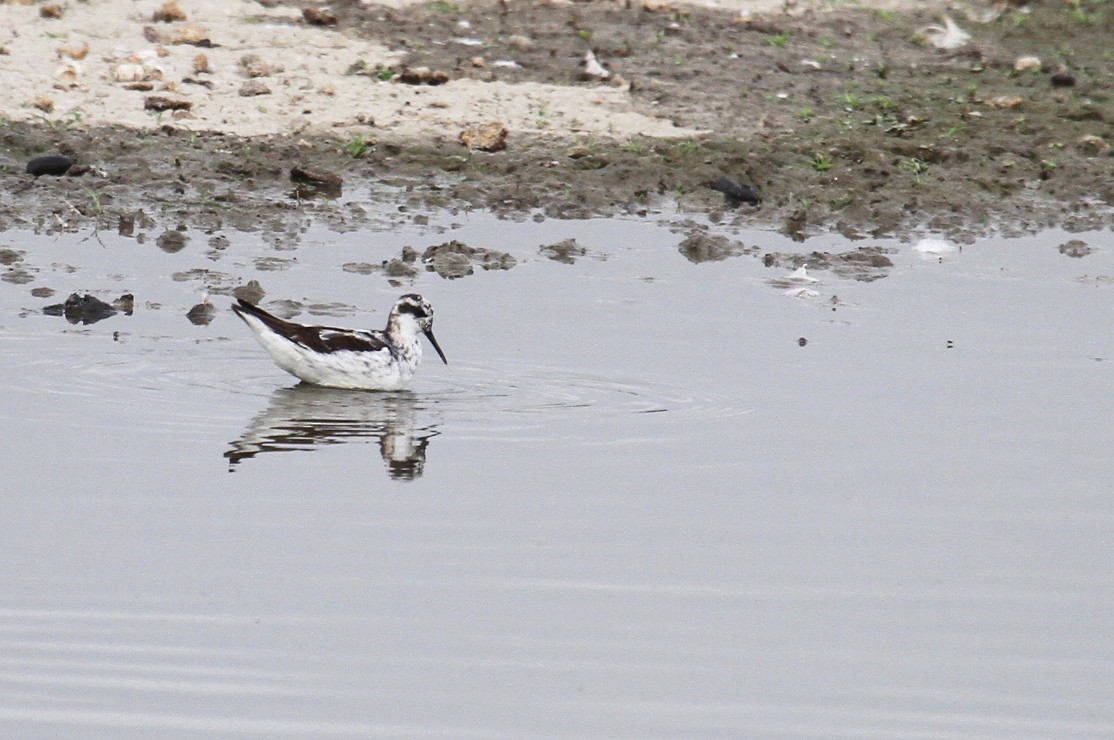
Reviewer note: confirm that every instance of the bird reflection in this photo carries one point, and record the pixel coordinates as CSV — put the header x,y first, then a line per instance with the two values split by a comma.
x,y
304,416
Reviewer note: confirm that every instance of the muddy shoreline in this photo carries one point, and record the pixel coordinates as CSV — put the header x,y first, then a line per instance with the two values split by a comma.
x,y
845,121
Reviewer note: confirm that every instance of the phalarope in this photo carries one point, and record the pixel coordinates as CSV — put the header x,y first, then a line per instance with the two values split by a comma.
x,y
380,360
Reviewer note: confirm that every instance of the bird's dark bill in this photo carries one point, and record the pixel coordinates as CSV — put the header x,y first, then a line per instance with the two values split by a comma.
x,y
429,336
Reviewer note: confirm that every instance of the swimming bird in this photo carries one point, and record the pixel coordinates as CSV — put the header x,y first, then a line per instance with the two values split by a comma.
x,y
380,360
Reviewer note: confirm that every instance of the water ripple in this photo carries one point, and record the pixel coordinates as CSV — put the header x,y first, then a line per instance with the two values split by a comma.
x,y
535,391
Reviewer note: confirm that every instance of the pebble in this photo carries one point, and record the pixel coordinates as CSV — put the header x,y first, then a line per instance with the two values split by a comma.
x,y
422,76
170,12
1091,144
252,88
160,103
49,164
1062,78
485,137
319,16
735,193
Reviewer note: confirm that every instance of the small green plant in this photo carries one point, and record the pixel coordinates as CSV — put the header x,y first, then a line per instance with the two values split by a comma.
x,y
95,201
585,35
806,114
63,123
95,209
635,146
442,6
1079,14
679,59
851,101
884,104
821,162
917,166
384,74
356,147
778,39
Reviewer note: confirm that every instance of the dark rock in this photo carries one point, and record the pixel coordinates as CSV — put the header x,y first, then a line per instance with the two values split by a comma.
x,y
84,309
319,16
1062,77
160,103
49,164
735,193
326,183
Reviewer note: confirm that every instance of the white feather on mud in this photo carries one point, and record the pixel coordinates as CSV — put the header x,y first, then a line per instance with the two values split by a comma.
x,y
593,70
949,36
931,247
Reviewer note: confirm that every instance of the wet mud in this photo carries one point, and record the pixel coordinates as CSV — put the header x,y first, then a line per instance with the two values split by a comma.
x,y
848,121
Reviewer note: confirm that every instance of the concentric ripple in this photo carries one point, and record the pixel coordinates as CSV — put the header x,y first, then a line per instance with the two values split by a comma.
x,y
536,391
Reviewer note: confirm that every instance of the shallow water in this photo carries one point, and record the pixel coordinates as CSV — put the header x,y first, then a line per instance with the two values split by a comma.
x,y
632,505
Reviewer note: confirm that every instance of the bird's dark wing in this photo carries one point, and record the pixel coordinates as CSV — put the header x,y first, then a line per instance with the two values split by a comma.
x,y
324,339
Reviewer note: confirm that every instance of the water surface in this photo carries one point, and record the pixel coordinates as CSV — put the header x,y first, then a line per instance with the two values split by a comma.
x,y
632,505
